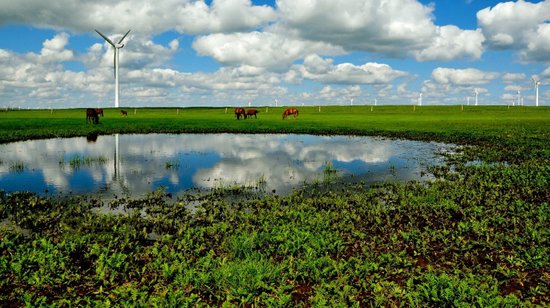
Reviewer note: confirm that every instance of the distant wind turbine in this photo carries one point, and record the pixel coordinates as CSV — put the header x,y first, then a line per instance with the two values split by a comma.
x,y
116,46
519,97
476,91
536,84
420,99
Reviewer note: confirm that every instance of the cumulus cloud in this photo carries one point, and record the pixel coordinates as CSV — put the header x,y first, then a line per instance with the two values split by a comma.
x,y
187,16
261,49
518,25
379,26
513,77
462,77
394,28
54,49
453,43
140,52
324,71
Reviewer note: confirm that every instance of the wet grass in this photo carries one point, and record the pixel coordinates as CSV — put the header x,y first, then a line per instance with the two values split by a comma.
x,y
478,235
78,161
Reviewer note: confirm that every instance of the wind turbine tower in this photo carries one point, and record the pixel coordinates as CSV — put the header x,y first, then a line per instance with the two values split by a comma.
x,y
420,99
476,91
519,97
117,48
536,84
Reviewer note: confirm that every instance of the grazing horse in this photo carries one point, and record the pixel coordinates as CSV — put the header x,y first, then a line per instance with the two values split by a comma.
x,y
91,116
124,112
240,112
290,111
252,112
99,111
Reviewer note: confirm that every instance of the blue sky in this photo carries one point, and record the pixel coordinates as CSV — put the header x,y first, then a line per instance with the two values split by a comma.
x,y
240,52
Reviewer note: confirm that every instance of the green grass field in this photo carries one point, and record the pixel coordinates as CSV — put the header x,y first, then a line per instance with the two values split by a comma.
x,y
442,122
478,235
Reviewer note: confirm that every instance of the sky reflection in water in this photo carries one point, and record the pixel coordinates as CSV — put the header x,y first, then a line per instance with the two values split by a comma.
x,y
138,164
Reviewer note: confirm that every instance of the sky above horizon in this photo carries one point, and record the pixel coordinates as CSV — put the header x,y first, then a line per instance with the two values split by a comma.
x,y
259,52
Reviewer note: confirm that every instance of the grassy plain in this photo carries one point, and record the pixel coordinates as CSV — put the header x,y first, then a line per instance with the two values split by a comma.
x,y
448,122
478,235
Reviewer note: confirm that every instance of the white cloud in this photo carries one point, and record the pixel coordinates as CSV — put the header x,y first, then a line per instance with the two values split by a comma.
x,y
512,77
394,28
538,47
462,77
337,95
379,26
322,70
54,49
142,16
261,49
518,25
453,43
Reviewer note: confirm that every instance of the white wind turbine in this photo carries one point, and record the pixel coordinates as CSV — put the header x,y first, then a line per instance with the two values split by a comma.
x,y
116,46
519,97
476,91
420,99
536,84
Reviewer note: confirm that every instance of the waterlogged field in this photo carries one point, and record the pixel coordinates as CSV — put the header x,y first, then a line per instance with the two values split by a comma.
x,y
135,164
476,235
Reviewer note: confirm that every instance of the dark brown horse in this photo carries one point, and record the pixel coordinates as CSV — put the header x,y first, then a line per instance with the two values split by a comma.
x,y
290,111
91,116
124,112
240,112
252,112
99,111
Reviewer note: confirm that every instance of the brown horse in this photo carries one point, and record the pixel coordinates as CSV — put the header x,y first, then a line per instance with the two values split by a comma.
x,y
124,112
91,116
240,112
252,112
290,111
99,111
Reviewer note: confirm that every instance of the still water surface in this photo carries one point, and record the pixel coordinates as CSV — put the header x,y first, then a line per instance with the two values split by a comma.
x,y
135,165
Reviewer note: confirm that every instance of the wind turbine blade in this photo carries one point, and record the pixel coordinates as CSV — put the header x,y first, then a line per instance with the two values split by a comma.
x,y
106,38
122,39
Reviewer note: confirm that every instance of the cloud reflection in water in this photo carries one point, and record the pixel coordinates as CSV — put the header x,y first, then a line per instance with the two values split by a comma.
x,y
180,162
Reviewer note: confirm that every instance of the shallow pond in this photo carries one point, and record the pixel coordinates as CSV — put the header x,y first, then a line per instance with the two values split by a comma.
x,y
134,165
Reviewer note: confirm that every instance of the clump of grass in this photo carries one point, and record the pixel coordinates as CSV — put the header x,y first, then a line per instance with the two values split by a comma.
x,y
17,167
78,161
393,170
329,171
172,165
